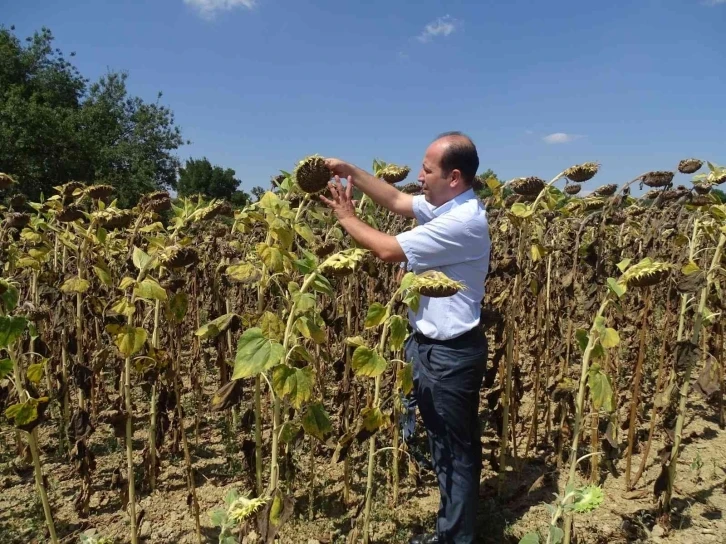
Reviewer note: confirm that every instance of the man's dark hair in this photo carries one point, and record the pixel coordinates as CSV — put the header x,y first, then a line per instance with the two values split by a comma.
x,y
460,155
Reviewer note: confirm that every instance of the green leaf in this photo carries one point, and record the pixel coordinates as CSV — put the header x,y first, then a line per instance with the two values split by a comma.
x,y
618,289
150,289
255,353
398,330
218,517
537,252
377,314
304,302
141,259
610,338
299,353
556,535
103,275
367,362
177,307
295,383
35,372
130,340
588,498
322,285
289,431
101,235
355,341
690,268
529,538
10,297
6,367
11,328
412,300
623,265
404,378
310,329
582,339
272,326
75,285
601,389
316,422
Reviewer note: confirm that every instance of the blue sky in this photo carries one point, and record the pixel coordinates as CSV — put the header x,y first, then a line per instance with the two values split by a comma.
x,y
258,84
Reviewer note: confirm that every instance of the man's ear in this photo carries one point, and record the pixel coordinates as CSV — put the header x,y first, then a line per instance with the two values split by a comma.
x,y
456,179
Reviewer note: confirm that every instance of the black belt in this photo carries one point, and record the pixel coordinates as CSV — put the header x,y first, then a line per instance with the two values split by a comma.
x,y
469,335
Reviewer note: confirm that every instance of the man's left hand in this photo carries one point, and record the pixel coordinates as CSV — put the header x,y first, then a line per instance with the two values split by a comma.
x,y
342,204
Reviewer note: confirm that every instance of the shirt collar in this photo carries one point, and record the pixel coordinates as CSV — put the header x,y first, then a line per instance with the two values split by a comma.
x,y
458,200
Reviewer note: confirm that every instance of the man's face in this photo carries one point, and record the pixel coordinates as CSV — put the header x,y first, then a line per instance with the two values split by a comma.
x,y
436,186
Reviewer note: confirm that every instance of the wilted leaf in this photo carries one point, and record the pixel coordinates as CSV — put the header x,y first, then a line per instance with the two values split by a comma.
x,y
75,285
690,268
123,307
373,419
355,341
305,232
601,389
316,422
272,326
521,210
271,256
404,378
130,340
216,326
255,353
397,332
295,383
141,259
609,338
227,396
377,313
367,362
103,275
309,328
178,306
243,273
150,289
35,372
623,265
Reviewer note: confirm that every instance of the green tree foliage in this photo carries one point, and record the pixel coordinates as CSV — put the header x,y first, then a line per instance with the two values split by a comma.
x,y
199,176
480,187
257,192
55,127
719,194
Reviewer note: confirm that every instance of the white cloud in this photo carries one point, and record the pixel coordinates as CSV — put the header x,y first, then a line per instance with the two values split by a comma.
x,y
208,9
560,138
443,26
714,2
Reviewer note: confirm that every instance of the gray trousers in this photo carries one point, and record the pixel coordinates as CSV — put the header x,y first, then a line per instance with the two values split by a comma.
x,y
447,378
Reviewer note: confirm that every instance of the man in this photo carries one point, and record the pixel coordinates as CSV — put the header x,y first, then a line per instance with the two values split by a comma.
x,y
447,347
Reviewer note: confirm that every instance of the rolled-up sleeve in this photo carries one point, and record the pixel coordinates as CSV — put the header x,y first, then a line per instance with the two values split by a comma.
x,y
442,241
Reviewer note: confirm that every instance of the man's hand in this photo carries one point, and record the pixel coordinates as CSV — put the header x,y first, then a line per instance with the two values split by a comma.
x,y
340,168
342,203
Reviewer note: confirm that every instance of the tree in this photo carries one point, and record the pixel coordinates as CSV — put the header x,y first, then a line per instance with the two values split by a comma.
x,y
54,127
240,198
199,176
258,191
720,195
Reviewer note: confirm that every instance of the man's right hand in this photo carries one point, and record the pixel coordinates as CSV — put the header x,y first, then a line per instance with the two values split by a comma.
x,y
339,167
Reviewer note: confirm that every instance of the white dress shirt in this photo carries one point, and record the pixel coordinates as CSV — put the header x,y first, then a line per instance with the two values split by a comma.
x,y
454,239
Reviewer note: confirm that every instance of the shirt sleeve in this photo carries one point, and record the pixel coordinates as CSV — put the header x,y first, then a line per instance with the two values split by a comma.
x,y
422,210
444,240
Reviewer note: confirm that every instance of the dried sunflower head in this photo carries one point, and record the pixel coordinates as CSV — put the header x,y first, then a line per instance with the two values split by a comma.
x,y
394,174
411,188
178,257
617,218
658,178
69,214
645,273
582,172
606,190
324,249
99,192
572,188
16,220
702,188
592,203
17,201
311,174
689,166
113,218
435,284
701,200
6,181
69,188
157,201
528,186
